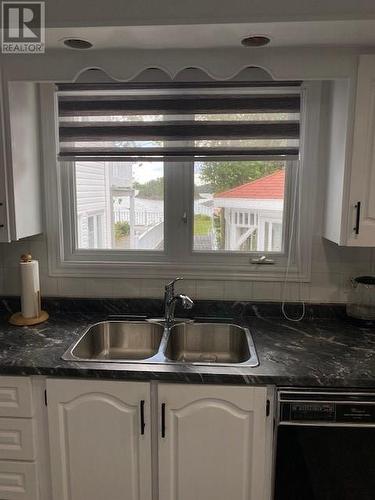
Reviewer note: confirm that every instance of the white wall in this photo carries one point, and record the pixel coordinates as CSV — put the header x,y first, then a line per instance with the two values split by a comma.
x,y
332,268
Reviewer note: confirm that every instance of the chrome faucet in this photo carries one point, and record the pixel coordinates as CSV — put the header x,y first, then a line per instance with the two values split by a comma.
x,y
170,299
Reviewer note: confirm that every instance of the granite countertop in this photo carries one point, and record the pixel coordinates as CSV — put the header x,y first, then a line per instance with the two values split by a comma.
x,y
325,349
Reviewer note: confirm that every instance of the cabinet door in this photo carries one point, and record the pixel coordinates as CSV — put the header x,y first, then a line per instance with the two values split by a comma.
x,y
20,165
4,235
362,182
99,449
214,444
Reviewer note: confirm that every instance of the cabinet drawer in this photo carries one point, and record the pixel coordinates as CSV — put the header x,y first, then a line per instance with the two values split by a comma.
x,y
17,439
15,397
18,481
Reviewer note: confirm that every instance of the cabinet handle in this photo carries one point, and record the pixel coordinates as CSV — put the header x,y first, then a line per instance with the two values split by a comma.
x,y
163,420
142,408
357,206
1,204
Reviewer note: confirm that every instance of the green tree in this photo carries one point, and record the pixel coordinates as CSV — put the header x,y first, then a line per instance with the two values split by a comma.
x,y
153,189
225,175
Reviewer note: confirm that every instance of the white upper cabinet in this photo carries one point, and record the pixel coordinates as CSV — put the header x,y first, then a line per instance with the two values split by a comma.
x,y
100,439
4,222
350,183
213,443
20,161
362,179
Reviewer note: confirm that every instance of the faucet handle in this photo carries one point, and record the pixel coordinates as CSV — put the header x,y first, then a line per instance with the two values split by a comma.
x,y
171,284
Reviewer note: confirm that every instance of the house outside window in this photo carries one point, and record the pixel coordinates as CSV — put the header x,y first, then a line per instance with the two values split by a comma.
x,y
248,217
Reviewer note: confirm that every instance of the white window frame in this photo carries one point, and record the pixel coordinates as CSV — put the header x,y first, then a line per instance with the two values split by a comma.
x,y
178,258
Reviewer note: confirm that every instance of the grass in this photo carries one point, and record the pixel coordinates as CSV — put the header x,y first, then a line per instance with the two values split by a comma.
x,y
202,225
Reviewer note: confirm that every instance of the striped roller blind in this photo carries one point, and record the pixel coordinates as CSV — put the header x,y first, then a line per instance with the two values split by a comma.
x,y
179,123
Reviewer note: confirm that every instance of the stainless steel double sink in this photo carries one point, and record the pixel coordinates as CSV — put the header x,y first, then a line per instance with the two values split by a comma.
x,y
150,341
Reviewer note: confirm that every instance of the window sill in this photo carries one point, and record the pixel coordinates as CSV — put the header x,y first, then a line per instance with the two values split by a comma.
x,y
166,270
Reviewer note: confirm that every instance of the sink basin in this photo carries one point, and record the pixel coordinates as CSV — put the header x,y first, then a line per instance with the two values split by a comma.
x,y
220,344
211,343
117,341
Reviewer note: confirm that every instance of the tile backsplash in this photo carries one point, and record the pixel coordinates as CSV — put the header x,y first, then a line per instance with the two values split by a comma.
x,y
332,268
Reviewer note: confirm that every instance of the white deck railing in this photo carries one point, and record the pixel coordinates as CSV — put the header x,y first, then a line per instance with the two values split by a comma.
x,y
200,208
150,217
141,217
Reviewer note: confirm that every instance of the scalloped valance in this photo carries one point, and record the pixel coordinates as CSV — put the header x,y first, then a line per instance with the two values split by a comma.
x,y
218,64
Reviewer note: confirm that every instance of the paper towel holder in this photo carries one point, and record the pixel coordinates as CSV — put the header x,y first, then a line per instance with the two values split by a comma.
x,y
17,319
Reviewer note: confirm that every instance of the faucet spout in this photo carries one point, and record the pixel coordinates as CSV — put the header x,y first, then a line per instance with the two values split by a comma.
x,y
186,301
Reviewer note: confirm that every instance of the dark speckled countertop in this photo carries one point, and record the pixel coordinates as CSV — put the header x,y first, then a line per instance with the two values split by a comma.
x,y
325,349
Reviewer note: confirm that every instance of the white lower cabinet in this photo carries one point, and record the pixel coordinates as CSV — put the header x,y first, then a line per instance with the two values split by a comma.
x,y
18,481
208,442
99,448
22,450
212,443
17,439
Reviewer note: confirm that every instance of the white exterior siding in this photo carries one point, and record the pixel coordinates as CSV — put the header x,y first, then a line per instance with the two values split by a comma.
x,y
93,197
248,203
90,187
97,183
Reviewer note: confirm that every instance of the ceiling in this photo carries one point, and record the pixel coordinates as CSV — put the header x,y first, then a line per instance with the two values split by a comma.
x,y
69,13
337,33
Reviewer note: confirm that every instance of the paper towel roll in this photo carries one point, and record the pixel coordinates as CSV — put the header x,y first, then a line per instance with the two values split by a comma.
x,y
30,289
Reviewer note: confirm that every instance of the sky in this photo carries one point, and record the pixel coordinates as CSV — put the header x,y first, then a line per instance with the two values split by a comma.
x,y
149,170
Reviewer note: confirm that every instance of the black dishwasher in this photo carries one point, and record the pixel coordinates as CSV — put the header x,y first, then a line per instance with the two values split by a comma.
x,y
325,445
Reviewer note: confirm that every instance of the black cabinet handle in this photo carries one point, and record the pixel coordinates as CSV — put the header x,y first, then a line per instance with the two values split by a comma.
x,y
143,424
1,204
268,408
163,420
357,206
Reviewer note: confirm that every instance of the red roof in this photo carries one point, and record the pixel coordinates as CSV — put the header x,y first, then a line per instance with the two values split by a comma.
x,y
269,187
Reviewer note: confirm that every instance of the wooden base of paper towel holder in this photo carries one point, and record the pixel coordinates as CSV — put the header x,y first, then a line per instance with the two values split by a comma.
x,y
18,320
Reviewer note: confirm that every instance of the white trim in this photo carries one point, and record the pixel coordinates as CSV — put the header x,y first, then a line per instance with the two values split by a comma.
x,y
199,91
283,63
63,260
247,203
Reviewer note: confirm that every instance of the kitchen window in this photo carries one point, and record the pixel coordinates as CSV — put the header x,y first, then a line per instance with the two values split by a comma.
x,y
198,179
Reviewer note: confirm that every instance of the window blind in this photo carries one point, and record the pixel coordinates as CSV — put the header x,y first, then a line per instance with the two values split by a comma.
x,y
188,122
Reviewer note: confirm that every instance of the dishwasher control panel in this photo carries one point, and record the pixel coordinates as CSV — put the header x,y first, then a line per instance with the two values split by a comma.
x,y
308,411
326,407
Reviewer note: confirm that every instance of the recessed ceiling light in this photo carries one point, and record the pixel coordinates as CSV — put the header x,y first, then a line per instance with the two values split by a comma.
x,y
77,43
255,41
